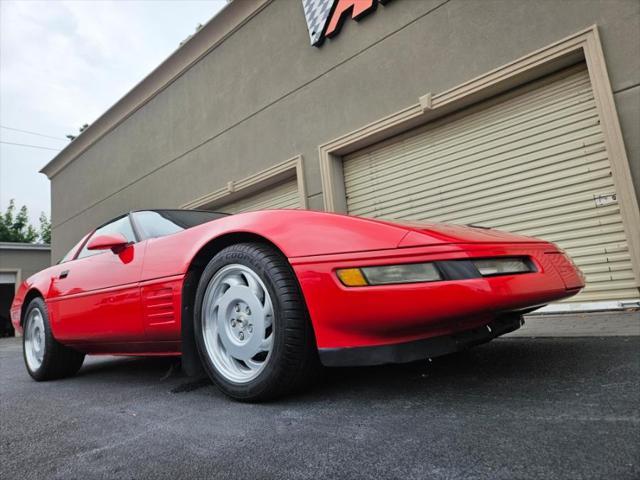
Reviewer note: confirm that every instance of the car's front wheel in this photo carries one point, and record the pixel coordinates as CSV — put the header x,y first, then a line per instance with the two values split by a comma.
x,y
44,357
251,324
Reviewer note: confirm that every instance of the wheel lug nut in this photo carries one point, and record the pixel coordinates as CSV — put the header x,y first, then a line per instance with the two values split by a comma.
x,y
241,335
233,323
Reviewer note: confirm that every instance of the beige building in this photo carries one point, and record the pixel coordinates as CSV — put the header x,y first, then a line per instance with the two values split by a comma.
x,y
519,115
18,261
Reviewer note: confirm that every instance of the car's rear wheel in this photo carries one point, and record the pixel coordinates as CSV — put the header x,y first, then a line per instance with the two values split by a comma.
x,y
251,324
44,357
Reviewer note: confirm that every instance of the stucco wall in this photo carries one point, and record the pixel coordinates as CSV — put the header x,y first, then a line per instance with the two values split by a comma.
x,y
265,95
28,261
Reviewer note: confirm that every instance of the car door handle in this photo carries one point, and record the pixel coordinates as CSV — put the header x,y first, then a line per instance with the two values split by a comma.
x,y
64,274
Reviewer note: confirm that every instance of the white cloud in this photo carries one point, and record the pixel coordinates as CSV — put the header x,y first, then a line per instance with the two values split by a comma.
x,y
63,63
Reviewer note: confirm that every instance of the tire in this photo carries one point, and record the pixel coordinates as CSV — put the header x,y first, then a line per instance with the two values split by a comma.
x,y
44,357
251,324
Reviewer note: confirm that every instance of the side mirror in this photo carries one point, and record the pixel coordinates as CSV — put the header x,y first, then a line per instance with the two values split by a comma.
x,y
114,242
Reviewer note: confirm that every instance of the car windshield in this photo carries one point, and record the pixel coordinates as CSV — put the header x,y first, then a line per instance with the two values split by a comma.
x,y
158,223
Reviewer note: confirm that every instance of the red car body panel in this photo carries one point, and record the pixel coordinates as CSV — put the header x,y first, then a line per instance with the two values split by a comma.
x,y
377,315
131,302
99,298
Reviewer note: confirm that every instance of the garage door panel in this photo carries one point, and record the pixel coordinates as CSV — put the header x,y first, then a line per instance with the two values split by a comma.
x,y
8,278
525,134
604,241
537,192
569,235
442,186
623,289
561,223
568,230
573,228
443,142
284,195
445,170
550,154
530,162
616,249
517,111
461,212
428,192
472,128
614,290
610,266
544,185
593,261
540,218
610,291
563,139
578,152
520,166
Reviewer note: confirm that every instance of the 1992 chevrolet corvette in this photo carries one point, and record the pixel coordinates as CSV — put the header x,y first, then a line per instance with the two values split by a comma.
x,y
260,300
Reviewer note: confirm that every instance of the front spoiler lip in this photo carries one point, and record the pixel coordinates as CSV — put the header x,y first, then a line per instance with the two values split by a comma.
x,y
420,349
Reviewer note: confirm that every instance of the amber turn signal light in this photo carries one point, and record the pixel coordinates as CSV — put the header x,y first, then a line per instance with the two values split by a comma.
x,y
352,277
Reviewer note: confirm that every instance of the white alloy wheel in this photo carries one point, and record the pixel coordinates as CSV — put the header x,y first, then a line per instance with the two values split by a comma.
x,y
34,339
237,323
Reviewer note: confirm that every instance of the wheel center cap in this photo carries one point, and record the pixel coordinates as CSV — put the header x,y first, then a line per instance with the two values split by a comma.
x,y
241,323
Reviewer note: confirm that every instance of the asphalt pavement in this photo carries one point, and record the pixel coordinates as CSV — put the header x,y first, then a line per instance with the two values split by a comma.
x,y
515,408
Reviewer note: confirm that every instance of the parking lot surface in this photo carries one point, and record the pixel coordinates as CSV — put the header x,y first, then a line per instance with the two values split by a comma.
x,y
514,408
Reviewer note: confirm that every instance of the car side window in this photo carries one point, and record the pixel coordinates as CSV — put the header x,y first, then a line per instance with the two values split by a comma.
x,y
71,253
160,223
121,226
154,224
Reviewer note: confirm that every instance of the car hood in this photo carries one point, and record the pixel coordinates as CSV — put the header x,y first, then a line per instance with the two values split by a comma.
x,y
420,233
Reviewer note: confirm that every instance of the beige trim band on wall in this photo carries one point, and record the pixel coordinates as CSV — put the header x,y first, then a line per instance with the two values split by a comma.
x,y
584,45
259,181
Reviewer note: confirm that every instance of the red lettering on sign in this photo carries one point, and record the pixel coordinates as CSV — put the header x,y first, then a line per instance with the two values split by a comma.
x,y
359,9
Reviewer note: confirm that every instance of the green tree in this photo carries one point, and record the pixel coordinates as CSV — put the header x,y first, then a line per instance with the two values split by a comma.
x,y
45,229
16,227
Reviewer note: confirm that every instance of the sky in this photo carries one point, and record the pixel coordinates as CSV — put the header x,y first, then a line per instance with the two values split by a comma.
x,y
64,63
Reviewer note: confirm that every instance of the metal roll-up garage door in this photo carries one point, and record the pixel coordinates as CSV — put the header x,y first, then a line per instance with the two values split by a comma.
x,y
532,161
8,278
284,195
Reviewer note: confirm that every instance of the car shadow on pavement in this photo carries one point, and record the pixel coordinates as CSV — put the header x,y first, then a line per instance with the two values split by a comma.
x,y
508,362
129,367
487,369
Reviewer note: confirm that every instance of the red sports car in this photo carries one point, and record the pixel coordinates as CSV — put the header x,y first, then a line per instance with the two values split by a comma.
x,y
260,300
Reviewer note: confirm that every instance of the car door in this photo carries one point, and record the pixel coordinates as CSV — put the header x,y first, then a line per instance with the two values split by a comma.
x,y
95,298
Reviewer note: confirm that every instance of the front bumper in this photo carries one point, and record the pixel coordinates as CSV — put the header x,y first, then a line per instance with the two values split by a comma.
x,y
420,349
353,317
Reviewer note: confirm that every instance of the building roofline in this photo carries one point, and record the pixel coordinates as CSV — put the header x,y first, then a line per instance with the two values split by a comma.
x,y
224,24
24,246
